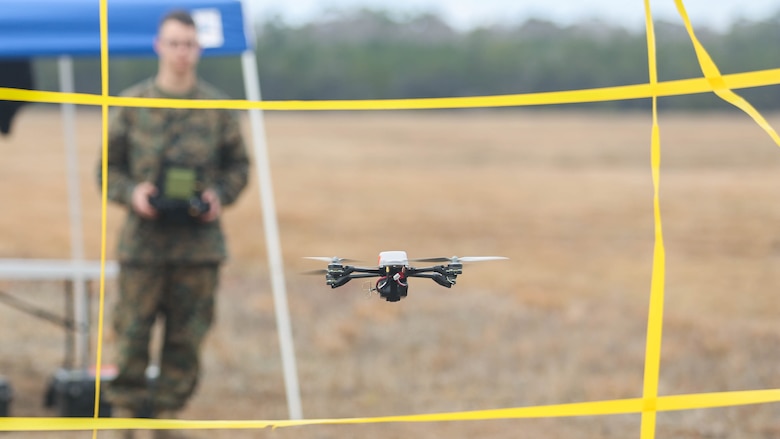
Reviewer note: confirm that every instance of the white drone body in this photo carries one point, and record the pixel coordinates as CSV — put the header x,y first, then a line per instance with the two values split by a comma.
x,y
393,258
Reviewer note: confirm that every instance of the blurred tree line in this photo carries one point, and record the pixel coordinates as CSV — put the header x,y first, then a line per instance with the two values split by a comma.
x,y
369,54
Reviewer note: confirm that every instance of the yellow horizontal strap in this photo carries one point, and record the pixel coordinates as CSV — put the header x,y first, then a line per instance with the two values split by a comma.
x,y
638,91
599,408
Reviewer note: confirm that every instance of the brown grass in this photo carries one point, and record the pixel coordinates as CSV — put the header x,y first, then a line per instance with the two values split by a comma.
x,y
566,195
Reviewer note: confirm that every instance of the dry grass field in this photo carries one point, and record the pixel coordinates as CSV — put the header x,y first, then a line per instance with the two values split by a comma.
x,y
566,195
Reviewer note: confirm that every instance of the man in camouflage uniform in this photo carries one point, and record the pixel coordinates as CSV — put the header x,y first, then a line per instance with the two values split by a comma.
x,y
169,269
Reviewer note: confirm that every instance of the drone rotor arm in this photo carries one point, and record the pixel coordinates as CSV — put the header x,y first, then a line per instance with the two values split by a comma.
x,y
364,275
431,260
337,281
414,272
446,270
372,271
437,277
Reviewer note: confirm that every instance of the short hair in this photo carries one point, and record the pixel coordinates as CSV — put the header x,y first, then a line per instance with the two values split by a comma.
x,y
180,15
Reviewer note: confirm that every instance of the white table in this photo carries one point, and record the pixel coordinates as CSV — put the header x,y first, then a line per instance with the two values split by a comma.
x,y
76,275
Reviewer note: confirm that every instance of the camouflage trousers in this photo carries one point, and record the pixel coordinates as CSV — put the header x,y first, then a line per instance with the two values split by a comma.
x,y
184,296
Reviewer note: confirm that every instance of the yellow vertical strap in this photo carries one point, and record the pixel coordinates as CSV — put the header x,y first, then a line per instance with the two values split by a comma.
x,y
104,201
714,77
655,315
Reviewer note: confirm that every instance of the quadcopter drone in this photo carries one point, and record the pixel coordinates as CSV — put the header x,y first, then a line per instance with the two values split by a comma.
x,y
394,270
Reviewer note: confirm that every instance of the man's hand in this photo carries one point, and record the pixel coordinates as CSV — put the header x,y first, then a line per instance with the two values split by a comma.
x,y
215,207
140,201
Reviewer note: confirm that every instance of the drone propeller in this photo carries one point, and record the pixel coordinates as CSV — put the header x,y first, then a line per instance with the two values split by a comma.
x,y
315,272
456,259
332,260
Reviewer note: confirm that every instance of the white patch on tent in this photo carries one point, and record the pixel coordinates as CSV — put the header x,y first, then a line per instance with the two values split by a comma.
x,y
209,25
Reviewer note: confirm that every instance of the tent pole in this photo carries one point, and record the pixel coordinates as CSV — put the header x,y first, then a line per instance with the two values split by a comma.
x,y
68,111
273,246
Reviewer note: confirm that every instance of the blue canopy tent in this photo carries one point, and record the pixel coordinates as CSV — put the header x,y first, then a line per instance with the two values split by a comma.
x,y
71,28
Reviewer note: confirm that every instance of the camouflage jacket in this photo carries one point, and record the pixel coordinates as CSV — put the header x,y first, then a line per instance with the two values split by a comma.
x,y
140,139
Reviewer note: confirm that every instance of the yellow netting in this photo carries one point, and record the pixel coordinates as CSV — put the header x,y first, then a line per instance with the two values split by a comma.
x,y
648,405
